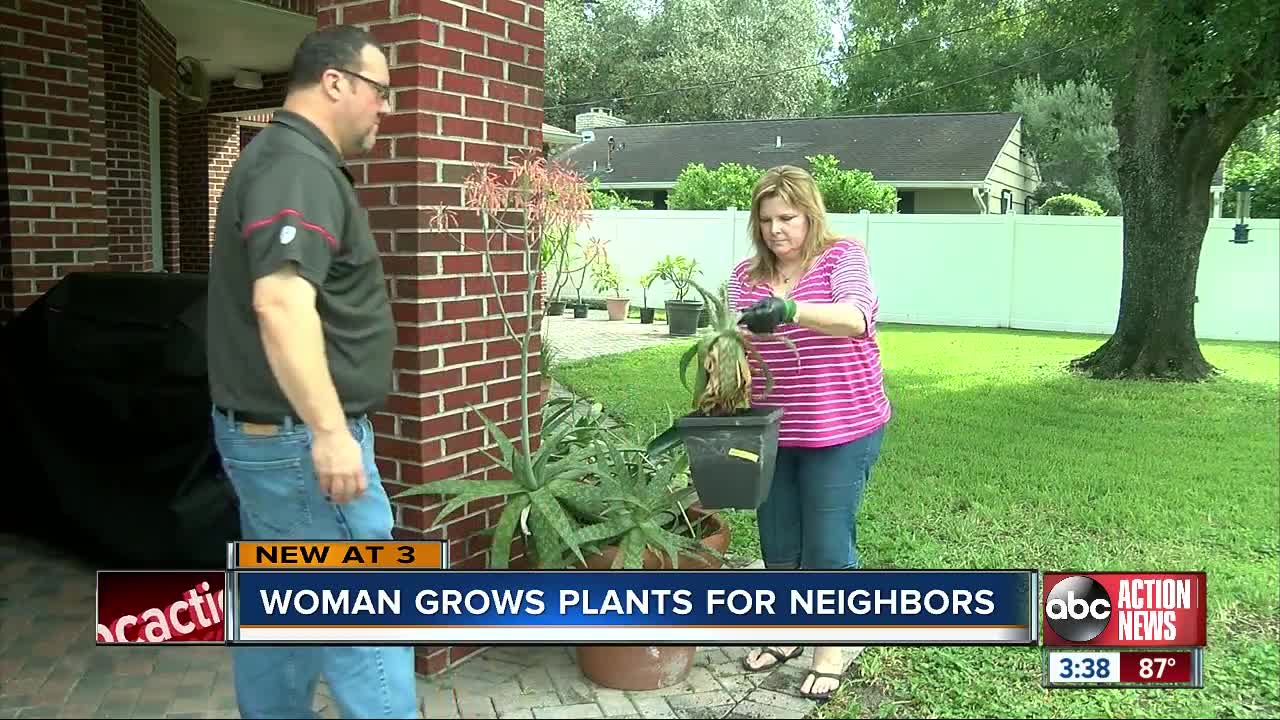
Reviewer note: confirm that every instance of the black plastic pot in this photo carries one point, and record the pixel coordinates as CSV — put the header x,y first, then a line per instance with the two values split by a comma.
x,y
555,308
580,311
682,316
731,458
646,315
704,317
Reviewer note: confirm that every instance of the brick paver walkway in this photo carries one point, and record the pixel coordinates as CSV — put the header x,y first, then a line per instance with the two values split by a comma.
x,y
50,667
593,335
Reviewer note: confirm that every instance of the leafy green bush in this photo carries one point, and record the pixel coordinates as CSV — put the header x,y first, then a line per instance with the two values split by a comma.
x,y
602,199
1070,204
698,188
730,185
850,191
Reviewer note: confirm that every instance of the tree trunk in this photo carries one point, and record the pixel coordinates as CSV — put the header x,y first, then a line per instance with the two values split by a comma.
x,y
1164,166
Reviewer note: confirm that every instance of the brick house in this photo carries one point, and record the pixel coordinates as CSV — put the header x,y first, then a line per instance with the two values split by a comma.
x,y
106,171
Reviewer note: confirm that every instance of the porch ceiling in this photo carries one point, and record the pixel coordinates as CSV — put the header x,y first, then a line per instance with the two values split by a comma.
x,y
230,35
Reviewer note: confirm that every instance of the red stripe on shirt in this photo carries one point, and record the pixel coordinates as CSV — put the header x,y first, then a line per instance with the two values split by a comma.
x,y
256,224
831,389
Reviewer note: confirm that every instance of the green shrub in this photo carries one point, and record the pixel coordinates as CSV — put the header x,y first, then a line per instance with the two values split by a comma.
x,y
698,188
850,191
1070,204
730,185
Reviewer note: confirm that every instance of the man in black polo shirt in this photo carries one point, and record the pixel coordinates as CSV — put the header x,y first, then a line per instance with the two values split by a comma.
x,y
300,345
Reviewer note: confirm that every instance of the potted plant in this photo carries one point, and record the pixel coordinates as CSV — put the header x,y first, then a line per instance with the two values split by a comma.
x,y
559,250
606,281
682,314
579,279
585,496
651,522
646,312
732,446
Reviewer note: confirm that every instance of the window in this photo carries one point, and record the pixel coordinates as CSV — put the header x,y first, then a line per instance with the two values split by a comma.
x,y
1006,202
906,203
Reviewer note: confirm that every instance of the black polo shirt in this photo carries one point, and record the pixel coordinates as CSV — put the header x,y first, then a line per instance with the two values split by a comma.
x,y
290,199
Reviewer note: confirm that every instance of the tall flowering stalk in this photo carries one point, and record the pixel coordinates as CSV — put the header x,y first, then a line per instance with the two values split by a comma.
x,y
517,206
580,490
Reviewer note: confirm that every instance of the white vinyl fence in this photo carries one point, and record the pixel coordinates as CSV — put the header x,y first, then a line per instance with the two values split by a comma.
x,y
1019,271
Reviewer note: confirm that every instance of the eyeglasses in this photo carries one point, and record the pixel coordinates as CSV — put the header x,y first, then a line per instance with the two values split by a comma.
x,y
384,92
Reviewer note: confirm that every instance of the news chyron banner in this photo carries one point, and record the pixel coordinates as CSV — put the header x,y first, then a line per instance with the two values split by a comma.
x,y
1116,629
400,593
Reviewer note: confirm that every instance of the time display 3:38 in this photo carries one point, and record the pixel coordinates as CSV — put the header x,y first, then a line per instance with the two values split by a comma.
x,y
1084,667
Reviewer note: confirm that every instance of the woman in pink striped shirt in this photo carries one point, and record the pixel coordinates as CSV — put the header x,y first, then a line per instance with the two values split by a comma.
x,y
813,288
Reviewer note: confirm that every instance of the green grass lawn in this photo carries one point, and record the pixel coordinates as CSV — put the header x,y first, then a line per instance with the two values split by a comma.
x,y
997,457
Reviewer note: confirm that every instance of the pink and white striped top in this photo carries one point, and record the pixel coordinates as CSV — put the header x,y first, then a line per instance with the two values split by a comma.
x,y
830,388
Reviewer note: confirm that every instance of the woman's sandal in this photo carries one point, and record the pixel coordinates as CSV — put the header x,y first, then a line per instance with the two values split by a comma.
x,y
838,677
779,659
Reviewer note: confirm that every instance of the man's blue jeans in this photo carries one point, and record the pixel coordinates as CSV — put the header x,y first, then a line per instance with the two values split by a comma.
x,y
275,481
809,519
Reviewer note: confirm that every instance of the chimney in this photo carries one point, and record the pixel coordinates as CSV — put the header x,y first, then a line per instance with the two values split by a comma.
x,y
597,117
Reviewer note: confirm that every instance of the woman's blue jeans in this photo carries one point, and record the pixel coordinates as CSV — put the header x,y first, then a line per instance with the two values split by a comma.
x,y
809,519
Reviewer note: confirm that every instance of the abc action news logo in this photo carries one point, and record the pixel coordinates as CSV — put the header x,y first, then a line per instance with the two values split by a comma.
x,y
1125,609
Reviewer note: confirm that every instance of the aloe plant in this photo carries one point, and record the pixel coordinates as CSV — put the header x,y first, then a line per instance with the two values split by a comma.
x,y
644,506
546,497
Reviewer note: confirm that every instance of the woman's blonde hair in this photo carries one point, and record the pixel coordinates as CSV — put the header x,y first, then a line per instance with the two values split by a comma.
x,y
795,187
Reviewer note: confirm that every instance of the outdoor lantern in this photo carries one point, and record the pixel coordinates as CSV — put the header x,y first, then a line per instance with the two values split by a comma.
x,y
1243,191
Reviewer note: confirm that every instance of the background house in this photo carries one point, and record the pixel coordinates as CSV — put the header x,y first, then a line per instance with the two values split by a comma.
x,y
939,163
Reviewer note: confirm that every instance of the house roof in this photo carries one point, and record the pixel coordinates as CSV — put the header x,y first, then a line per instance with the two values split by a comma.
x,y
932,147
556,135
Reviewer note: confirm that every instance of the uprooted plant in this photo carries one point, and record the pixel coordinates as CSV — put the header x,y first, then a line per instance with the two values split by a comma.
x,y
722,380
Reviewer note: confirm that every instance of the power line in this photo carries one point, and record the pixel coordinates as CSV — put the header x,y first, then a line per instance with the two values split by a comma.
x,y
961,81
807,66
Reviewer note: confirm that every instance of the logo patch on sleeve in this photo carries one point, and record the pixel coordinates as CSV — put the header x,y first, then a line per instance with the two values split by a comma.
x,y
287,233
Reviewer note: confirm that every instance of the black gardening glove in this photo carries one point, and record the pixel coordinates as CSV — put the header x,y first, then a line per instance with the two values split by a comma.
x,y
765,316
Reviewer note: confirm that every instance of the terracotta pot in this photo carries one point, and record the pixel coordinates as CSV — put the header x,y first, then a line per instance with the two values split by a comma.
x,y
650,667
618,308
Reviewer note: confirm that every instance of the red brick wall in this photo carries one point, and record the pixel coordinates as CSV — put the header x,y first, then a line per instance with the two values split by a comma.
x,y
98,116
223,149
140,54
470,90
52,226
128,187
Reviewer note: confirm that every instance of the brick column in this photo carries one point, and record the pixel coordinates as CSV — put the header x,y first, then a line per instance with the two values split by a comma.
x,y
53,225
128,183
468,89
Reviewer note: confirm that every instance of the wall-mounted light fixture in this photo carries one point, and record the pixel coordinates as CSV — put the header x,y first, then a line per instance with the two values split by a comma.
x,y
248,80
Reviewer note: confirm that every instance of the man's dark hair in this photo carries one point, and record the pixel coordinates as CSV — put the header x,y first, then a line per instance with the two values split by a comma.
x,y
338,46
